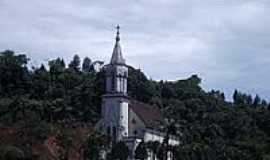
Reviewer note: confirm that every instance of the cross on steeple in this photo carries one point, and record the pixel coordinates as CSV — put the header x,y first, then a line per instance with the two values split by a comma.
x,y
118,33
117,57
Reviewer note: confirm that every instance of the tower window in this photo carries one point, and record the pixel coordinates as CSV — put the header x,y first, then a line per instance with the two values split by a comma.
x,y
113,84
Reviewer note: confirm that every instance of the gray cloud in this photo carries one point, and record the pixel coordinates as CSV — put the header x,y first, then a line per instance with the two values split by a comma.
x,y
226,42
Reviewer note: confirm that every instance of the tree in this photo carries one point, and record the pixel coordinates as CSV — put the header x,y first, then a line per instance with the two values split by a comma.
x,y
86,66
141,152
14,73
249,100
153,147
93,147
12,153
75,63
56,66
257,101
64,140
238,98
119,151
264,103
161,154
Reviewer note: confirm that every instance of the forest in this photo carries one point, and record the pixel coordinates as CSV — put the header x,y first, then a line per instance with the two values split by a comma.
x,y
37,103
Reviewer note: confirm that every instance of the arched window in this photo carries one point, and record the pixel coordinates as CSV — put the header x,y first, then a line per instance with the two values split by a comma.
x,y
135,132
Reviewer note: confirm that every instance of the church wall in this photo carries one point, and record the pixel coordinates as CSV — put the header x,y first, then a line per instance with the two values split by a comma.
x,y
108,83
135,124
115,112
124,118
158,136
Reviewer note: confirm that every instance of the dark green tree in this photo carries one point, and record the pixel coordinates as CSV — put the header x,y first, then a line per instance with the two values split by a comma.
x,y
14,77
93,146
56,66
153,147
249,100
64,140
86,66
141,151
264,103
75,63
257,101
119,151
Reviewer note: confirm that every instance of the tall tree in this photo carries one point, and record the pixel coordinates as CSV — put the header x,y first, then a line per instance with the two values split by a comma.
x,y
264,103
249,100
64,140
75,63
93,147
86,66
13,73
153,147
141,152
56,66
119,151
257,101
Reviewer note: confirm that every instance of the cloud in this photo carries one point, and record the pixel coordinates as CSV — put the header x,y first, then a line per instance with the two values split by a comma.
x,y
224,42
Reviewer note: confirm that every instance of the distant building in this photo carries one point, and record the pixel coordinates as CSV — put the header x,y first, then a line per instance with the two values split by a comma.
x,y
98,65
123,118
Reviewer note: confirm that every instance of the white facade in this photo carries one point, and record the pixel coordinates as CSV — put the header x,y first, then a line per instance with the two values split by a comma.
x,y
98,65
151,135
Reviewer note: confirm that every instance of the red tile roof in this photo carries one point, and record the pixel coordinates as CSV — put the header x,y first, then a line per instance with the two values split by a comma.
x,y
150,115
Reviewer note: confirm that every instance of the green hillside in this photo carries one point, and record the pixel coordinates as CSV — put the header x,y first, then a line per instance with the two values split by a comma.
x,y
42,100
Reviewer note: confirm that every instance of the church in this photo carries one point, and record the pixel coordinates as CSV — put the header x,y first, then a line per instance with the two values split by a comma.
x,y
123,118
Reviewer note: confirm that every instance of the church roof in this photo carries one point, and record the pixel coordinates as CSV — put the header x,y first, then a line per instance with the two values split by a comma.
x,y
117,57
150,115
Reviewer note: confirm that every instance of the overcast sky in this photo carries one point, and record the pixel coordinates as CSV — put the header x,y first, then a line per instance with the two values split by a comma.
x,y
225,42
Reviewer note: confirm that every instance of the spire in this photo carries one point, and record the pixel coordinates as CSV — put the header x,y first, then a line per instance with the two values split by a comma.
x,y
117,57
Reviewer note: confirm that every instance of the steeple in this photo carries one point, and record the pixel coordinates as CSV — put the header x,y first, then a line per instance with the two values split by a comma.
x,y
117,57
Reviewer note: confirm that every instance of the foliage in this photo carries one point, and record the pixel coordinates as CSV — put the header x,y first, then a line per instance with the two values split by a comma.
x,y
93,147
75,63
119,151
64,141
86,66
208,126
153,147
11,153
141,152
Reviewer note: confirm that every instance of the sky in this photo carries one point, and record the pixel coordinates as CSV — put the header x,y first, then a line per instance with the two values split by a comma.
x,y
224,42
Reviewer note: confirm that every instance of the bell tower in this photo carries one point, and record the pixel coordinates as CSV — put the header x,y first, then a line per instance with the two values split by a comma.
x,y
115,101
117,71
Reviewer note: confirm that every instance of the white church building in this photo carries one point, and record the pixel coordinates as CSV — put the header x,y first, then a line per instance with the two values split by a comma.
x,y
123,118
